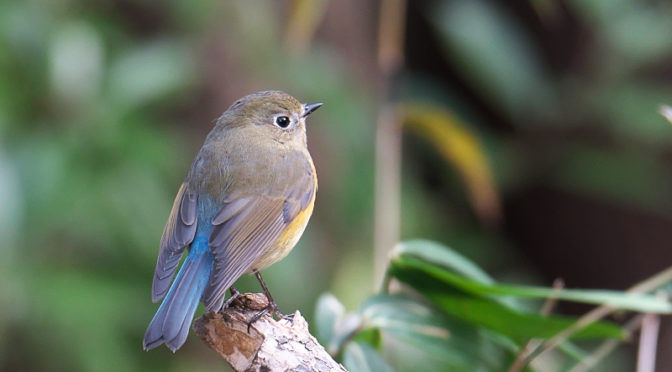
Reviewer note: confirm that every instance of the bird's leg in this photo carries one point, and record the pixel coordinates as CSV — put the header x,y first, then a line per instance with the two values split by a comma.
x,y
234,295
272,306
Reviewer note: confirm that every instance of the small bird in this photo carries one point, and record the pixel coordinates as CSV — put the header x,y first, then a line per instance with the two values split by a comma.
x,y
243,206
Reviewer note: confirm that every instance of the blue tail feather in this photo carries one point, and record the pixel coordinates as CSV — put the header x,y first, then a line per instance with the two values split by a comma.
x,y
172,321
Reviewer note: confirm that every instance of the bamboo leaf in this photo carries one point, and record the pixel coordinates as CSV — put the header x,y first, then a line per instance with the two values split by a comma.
x,y
448,267
334,326
359,357
448,342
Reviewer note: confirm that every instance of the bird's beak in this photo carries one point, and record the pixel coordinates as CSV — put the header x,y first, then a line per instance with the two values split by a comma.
x,y
309,108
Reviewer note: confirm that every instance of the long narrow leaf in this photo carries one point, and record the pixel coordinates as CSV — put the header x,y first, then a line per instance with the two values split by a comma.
x,y
517,325
449,267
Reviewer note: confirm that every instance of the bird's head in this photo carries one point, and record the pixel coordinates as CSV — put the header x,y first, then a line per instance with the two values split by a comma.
x,y
273,114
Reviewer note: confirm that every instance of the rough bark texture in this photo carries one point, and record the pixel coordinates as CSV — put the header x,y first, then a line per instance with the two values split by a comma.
x,y
269,346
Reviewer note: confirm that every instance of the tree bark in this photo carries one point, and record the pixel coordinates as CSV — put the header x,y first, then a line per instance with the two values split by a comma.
x,y
269,345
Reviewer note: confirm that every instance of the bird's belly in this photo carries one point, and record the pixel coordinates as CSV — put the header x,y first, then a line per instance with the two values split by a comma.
x,y
286,241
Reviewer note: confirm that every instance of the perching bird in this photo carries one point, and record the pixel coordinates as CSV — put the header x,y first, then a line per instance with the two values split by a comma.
x,y
242,207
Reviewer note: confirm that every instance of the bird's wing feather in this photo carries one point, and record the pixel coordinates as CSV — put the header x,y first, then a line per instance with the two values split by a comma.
x,y
177,235
245,228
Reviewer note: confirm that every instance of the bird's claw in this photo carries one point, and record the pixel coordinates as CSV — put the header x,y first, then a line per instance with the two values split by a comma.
x,y
227,303
257,316
289,317
274,311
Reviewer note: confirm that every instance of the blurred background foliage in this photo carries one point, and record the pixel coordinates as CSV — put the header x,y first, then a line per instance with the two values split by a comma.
x,y
563,167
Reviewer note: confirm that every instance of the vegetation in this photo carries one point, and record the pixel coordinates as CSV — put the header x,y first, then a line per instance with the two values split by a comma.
x,y
532,144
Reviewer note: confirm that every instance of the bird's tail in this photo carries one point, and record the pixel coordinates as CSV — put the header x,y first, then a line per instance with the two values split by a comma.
x,y
173,319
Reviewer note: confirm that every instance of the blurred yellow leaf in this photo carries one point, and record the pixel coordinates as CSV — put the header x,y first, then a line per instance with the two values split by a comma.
x,y
304,16
459,147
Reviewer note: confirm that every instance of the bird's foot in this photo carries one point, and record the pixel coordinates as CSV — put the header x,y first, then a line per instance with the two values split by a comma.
x,y
280,315
273,309
227,303
257,316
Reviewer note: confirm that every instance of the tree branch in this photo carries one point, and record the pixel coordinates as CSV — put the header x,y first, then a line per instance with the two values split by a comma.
x,y
269,345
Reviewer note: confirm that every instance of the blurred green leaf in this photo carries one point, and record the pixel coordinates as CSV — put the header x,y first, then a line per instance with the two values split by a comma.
x,y
626,177
360,357
370,336
631,110
494,54
327,313
149,72
403,316
637,31
517,325
450,343
464,298
76,63
428,258
443,256
334,326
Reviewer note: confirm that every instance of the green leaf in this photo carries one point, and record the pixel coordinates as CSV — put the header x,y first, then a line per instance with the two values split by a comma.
x,y
359,357
334,326
445,265
327,313
637,32
494,53
446,343
629,177
371,337
150,72
474,301
443,256
517,325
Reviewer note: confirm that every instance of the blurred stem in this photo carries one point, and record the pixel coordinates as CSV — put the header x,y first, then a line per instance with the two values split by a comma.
x,y
648,341
388,187
391,37
607,347
648,285
388,136
304,16
533,344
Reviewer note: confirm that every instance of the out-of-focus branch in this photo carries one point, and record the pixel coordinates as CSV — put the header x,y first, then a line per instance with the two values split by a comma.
x,y
388,136
304,16
607,347
269,345
662,278
648,341
391,36
533,344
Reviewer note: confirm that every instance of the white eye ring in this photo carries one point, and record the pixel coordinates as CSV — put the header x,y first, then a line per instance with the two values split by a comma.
x,y
283,121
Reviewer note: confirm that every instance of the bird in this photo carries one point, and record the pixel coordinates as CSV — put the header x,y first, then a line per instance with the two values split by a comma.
x,y
243,205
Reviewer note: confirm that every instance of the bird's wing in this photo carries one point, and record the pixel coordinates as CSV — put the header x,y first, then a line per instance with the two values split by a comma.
x,y
177,235
245,228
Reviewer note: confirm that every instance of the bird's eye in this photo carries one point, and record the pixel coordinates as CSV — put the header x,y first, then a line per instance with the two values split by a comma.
x,y
282,121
